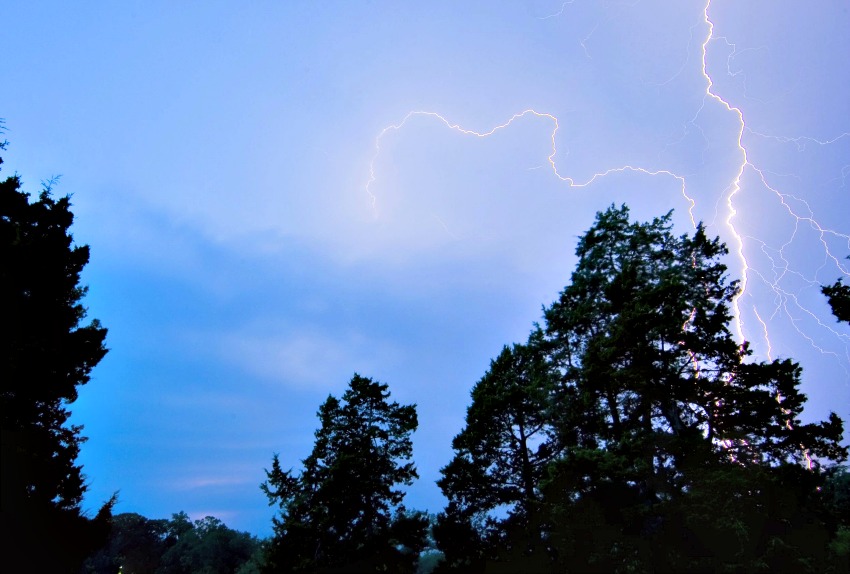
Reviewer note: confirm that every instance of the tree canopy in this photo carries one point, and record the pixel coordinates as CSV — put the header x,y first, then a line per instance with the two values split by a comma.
x,y
668,446
139,545
343,512
501,456
838,295
46,354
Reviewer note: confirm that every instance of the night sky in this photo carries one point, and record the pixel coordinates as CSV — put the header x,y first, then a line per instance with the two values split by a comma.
x,y
280,194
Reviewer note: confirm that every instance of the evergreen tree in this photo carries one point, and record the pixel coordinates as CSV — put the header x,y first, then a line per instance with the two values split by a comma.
x,y
660,407
836,505
501,456
343,512
838,295
836,490
46,355
671,448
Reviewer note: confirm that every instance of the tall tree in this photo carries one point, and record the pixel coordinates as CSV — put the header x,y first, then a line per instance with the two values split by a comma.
x,y
836,490
46,355
672,448
661,403
343,512
501,456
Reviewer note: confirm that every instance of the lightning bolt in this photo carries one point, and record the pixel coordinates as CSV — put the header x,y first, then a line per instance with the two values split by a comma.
x,y
559,12
735,188
785,301
571,182
764,331
788,425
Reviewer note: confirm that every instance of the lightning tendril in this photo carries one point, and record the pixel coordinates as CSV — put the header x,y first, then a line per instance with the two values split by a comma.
x,y
784,301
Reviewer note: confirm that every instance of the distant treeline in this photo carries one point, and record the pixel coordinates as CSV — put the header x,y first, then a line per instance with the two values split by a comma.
x,y
177,546
631,432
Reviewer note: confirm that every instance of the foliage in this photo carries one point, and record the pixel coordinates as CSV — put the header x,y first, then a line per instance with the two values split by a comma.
x,y
207,547
139,545
835,501
136,544
836,495
838,295
671,449
343,511
46,355
428,561
502,453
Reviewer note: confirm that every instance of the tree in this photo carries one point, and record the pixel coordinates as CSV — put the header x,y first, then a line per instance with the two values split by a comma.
x,y
135,546
660,406
838,295
46,355
671,448
207,546
139,545
501,456
343,512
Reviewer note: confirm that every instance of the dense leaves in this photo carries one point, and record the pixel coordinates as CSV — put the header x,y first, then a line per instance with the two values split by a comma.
x,y
343,512
838,295
139,545
45,355
503,452
662,445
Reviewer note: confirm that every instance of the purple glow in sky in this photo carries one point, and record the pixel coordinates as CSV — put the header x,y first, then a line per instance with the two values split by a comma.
x,y
266,216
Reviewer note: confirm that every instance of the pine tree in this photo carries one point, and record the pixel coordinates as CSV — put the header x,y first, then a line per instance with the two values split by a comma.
x,y
343,512
46,355
663,409
672,449
501,456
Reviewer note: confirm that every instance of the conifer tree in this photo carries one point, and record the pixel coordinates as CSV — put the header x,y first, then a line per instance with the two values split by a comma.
x,y
343,512
46,355
501,455
663,409
672,449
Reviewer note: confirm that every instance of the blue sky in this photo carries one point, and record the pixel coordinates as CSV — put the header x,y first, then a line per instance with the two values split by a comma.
x,y
218,154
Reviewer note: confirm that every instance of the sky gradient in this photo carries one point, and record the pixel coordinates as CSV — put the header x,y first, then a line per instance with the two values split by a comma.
x,y
279,194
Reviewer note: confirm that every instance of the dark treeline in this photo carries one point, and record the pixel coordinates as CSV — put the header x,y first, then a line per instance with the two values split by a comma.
x,y
629,433
175,546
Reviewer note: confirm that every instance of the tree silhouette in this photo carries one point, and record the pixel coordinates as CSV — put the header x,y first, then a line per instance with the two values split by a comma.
x,y
667,418
673,449
139,545
46,354
501,457
838,295
135,546
343,512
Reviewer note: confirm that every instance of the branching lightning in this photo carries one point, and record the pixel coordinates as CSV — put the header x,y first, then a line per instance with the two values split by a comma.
x,y
785,301
551,158
735,188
